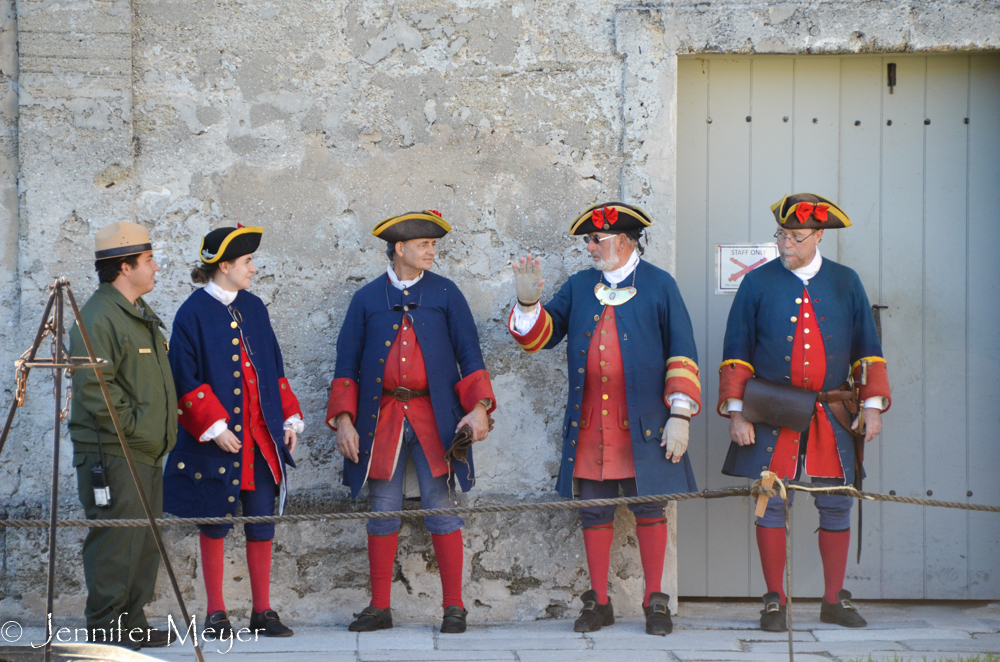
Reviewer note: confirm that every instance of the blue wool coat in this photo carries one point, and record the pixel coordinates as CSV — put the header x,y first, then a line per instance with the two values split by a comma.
x,y
448,340
198,479
760,323
652,327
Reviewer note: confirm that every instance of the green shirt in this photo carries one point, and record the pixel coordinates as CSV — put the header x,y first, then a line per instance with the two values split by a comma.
x,y
138,376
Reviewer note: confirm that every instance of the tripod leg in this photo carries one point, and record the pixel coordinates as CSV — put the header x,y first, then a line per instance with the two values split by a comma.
x,y
31,357
54,505
134,471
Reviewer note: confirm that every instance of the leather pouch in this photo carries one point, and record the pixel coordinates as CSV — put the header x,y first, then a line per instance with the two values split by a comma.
x,y
779,405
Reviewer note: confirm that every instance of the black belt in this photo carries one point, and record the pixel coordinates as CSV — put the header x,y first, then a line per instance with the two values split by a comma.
x,y
404,394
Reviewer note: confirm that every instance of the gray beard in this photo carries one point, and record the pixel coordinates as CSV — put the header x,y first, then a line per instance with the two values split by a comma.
x,y
610,264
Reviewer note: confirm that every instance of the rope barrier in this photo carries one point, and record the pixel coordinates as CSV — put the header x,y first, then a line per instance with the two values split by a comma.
x,y
754,491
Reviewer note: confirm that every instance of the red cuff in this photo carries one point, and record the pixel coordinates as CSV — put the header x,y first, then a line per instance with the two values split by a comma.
x,y
733,377
539,335
876,381
199,410
343,399
476,387
289,403
682,377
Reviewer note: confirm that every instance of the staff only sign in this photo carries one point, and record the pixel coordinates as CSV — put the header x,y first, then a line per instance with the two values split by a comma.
x,y
734,261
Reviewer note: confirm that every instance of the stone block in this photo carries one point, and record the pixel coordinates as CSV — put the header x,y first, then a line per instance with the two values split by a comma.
x,y
405,637
75,46
898,634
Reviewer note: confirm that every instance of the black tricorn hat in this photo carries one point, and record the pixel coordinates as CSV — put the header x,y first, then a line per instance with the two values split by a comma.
x,y
225,244
427,224
611,217
808,211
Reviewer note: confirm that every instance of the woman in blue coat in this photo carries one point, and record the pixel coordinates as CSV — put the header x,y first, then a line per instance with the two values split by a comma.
x,y
239,420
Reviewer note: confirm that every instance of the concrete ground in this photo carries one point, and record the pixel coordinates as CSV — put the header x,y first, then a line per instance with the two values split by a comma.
x,y
703,631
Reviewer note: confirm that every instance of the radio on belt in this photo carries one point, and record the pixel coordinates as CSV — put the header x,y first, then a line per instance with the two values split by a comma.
x,y
102,491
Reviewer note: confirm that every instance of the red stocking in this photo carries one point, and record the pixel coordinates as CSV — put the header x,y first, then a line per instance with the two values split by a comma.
x,y
259,563
771,543
597,541
833,548
381,559
449,551
652,535
212,563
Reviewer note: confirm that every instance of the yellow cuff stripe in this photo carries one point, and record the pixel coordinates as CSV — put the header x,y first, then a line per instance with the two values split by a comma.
x,y
684,360
686,374
542,339
870,359
737,361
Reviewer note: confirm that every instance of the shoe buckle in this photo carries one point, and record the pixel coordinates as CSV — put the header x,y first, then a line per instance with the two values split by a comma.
x,y
772,607
659,608
589,605
846,604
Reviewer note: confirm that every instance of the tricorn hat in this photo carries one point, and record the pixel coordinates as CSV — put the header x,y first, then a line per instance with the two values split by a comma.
x,y
427,224
807,211
225,244
121,239
611,217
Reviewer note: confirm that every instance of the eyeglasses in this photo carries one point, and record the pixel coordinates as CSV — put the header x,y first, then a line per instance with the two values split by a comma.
x,y
413,305
587,239
781,236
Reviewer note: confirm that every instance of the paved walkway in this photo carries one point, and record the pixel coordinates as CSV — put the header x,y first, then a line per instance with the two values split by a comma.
x,y
704,631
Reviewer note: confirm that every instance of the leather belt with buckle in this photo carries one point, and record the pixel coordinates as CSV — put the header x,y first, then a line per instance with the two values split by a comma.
x,y
404,394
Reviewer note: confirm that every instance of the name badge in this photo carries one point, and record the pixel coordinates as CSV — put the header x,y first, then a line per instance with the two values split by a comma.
x,y
145,350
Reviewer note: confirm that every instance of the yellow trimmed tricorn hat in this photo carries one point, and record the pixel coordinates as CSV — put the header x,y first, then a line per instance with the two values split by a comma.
x,y
121,239
427,224
613,218
225,244
807,211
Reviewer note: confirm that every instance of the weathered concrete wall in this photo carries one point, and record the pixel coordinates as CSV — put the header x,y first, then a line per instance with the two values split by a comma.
x,y
316,120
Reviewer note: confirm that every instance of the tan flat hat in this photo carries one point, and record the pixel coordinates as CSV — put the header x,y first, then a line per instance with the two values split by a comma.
x,y
121,239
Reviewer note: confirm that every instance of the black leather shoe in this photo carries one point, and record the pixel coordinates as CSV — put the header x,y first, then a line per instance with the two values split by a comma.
x,y
658,615
454,620
593,616
772,616
153,638
217,626
268,623
372,618
842,613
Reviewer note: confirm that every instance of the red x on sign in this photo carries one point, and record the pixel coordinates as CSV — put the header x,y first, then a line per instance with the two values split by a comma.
x,y
744,269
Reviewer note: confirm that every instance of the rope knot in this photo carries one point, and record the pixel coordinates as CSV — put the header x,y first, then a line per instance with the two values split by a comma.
x,y
758,490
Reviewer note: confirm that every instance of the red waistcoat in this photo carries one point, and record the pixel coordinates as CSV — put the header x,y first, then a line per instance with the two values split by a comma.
x,y
605,445
253,422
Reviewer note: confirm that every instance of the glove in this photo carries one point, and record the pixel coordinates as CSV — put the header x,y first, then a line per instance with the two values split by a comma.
x,y
528,280
675,438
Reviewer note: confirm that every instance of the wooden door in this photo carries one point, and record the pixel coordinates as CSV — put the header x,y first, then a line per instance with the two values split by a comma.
x,y
917,167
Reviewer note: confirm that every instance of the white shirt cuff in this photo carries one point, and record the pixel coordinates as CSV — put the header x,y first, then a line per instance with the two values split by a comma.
x,y
684,400
731,405
294,422
876,402
522,322
217,428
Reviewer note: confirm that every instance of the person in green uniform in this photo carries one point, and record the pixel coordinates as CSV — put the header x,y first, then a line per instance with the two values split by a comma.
x,y
120,564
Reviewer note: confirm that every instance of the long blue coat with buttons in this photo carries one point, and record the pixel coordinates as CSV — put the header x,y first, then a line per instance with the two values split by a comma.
x,y
449,342
200,478
652,327
760,332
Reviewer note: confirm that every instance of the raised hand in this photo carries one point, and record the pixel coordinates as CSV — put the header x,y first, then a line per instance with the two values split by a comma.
x,y
528,281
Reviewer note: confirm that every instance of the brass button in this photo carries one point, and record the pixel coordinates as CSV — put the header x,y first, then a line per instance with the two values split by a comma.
x,y
805,330
770,450
236,391
572,443
661,430
247,364
378,380
807,315
576,406
374,417
237,427
236,341
197,476
570,459
807,300
602,347
237,464
587,334
626,423
388,343
790,339
583,352
807,345
236,482
236,410
404,342
648,433
798,301
236,357
188,404
403,359
201,395
601,447
597,317
603,363
229,514
406,292
599,462
236,373
381,360
180,465
604,412
395,326
222,470
375,398
580,370
180,412
604,397
604,331
233,325
607,317
604,379
788,358
795,319
370,434
774,432
573,423
231,499
251,381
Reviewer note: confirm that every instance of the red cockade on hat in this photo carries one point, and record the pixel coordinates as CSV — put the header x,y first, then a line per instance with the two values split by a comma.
x,y
805,208
436,213
606,213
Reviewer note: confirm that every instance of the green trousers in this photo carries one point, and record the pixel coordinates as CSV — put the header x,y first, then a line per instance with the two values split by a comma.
x,y
120,564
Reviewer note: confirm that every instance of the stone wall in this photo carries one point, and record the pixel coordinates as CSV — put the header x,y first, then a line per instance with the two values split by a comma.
x,y
316,119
